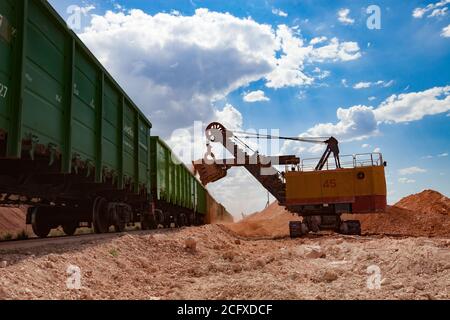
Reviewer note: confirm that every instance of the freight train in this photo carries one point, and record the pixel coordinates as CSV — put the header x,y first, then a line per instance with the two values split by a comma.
x,y
73,145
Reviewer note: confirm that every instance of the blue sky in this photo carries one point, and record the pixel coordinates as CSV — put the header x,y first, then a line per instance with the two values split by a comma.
x,y
409,57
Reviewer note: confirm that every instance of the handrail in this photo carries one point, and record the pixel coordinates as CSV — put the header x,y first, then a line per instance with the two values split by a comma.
x,y
357,160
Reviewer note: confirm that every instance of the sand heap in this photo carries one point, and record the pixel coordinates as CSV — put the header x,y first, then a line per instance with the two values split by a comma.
x,y
423,214
157,265
272,222
12,220
403,222
427,201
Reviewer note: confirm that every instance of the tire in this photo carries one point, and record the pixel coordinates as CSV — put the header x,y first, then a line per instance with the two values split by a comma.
x,y
70,228
119,227
145,225
351,227
148,222
100,219
40,226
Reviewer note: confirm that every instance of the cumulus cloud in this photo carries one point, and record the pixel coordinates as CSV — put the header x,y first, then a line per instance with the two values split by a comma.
x,y
438,12
176,66
420,12
414,105
365,145
355,123
279,12
318,40
410,171
360,122
230,117
255,96
343,16
336,51
446,32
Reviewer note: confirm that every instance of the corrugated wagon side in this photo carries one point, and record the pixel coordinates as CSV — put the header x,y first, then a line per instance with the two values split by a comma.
x,y
73,145
177,195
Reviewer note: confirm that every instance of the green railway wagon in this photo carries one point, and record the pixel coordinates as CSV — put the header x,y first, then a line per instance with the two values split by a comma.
x,y
201,198
72,143
177,194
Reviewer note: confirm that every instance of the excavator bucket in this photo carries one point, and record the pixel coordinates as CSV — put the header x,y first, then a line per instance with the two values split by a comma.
x,y
209,172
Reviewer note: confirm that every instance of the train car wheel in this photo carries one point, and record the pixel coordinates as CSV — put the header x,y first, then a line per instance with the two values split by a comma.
x,y
70,228
119,226
39,224
101,216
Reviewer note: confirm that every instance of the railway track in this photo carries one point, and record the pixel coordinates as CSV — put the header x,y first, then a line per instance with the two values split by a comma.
x,y
31,243
62,240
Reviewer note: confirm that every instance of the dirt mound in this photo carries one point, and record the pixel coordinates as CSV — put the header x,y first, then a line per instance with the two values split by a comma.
x,y
399,221
272,222
12,220
427,201
158,265
424,214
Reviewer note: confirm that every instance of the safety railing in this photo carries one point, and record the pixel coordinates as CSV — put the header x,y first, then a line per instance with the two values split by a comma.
x,y
347,162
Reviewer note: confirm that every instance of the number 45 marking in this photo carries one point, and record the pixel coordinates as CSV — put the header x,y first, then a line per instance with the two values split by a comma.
x,y
329,183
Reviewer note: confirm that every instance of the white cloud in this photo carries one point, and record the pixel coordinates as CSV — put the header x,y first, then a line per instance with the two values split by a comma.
x,y
438,12
279,12
410,171
344,83
360,122
365,145
371,98
230,117
289,69
420,12
362,85
255,96
229,191
377,150
317,40
427,157
406,180
414,105
174,67
355,123
445,154
336,51
321,74
343,16
86,9
379,83
446,32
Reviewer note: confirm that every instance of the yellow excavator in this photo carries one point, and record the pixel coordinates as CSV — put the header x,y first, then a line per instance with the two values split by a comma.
x,y
320,193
